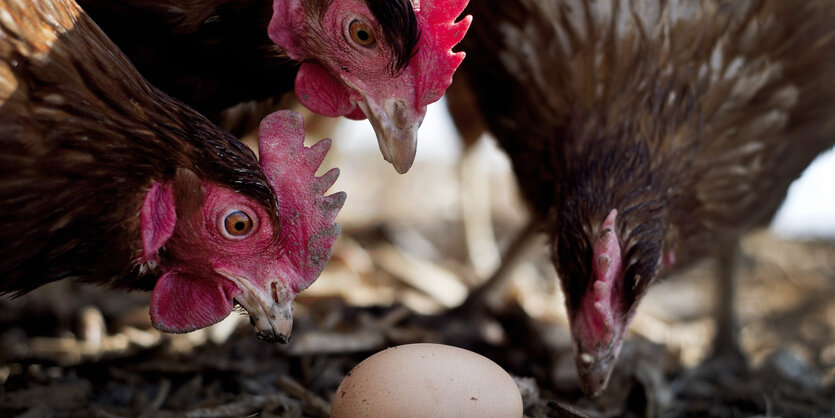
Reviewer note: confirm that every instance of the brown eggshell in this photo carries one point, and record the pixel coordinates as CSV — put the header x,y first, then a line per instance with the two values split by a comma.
x,y
427,380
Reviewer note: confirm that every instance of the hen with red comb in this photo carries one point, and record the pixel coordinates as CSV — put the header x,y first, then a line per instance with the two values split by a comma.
x,y
374,69
384,60
649,135
107,180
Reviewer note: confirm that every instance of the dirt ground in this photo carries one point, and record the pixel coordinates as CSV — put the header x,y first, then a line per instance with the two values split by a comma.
x,y
398,273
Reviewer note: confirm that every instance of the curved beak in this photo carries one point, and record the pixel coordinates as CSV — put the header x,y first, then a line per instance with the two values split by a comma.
x,y
396,126
270,307
597,343
594,370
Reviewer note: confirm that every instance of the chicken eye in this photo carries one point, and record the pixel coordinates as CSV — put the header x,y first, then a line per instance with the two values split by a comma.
x,y
237,224
361,33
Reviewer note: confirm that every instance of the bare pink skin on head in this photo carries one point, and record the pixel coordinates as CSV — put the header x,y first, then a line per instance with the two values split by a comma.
x,y
158,218
231,250
356,81
599,325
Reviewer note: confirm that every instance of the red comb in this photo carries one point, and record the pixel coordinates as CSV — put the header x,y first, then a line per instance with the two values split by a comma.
x,y
439,33
306,214
606,270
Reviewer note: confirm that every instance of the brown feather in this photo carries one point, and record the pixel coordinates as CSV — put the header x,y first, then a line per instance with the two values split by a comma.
x,y
83,137
210,54
692,118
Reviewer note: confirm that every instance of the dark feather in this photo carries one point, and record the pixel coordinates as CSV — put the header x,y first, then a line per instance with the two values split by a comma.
x,y
399,27
83,137
211,55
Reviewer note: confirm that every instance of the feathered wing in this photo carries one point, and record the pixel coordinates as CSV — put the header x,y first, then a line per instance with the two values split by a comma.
x,y
769,110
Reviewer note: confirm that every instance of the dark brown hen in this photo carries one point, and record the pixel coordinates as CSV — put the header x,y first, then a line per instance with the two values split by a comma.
x,y
380,59
648,135
105,179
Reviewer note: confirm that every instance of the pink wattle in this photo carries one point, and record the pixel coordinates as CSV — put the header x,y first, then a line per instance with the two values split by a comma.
x,y
356,114
320,92
182,303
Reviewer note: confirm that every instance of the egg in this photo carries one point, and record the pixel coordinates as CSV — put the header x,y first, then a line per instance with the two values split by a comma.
x,y
427,380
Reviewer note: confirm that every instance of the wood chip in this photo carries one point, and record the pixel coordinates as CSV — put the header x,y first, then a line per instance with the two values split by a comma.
x,y
55,396
431,279
309,399
247,405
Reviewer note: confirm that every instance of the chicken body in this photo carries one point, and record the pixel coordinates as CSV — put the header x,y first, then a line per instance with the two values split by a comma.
x,y
649,135
107,180
380,59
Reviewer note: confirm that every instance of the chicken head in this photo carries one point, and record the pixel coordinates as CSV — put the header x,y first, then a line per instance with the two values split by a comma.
x,y
606,263
215,247
381,59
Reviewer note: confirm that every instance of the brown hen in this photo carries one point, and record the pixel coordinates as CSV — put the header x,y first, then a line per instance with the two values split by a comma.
x,y
105,179
649,135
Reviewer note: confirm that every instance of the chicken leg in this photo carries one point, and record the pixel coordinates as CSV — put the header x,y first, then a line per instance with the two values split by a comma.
x,y
726,340
484,294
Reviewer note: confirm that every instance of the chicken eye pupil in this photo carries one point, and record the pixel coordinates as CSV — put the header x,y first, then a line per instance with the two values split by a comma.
x,y
361,34
237,223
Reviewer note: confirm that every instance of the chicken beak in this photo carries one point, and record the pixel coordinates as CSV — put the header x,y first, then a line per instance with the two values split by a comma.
x,y
596,349
396,126
594,370
270,307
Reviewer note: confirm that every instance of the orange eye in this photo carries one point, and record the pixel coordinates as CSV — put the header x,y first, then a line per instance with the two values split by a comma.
x,y
237,224
361,33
